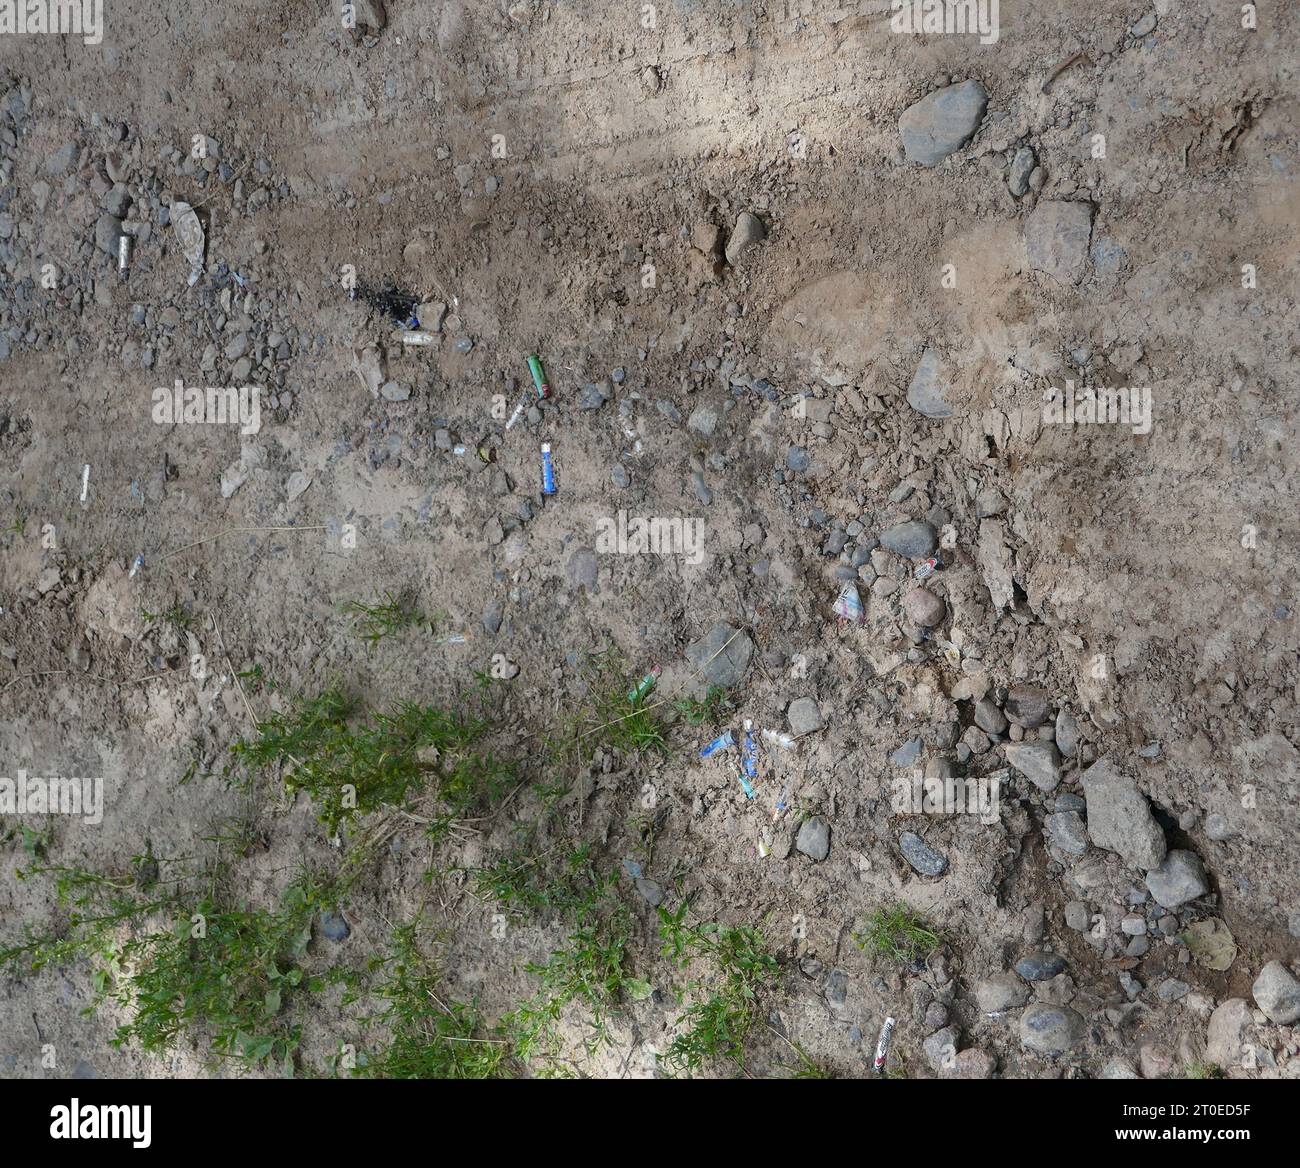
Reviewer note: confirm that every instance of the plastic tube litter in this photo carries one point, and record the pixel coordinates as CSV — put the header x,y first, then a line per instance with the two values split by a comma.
x,y
519,411
748,756
723,741
136,565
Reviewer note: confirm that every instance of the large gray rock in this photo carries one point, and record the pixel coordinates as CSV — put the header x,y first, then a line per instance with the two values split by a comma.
x,y
1119,818
814,838
972,1063
804,716
371,15
1067,832
720,665
1067,733
914,539
942,122
924,608
60,162
1022,166
1051,1029
1277,993
1056,239
1040,965
989,718
581,569
926,393
1178,879
923,858
1039,762
747,232
941,1048
1027,706
651,890
108,229
1002,991
1226,1030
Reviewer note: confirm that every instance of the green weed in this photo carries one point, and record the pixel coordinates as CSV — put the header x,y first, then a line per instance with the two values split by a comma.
x,y
711,709
351,763
176,617
898,934
617,717
590,969
807,1067
179,962
719,1022
390,615
428,1039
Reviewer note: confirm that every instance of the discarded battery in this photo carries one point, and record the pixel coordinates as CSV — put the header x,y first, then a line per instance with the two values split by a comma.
x,y
644,686
123,252
882,1045
928,568
548,470
539,377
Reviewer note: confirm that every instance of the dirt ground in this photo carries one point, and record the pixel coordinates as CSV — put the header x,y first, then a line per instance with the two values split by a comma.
x,y
563,180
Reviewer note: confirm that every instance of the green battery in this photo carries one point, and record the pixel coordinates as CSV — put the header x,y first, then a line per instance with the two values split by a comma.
x,y
539,376
644,686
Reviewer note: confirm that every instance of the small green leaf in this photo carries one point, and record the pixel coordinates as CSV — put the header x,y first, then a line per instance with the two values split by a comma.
x,y
637,989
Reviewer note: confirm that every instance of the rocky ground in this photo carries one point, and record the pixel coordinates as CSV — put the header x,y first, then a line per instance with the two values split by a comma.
x,y
796,277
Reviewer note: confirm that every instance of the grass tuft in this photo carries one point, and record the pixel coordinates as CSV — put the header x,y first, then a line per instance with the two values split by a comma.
x,y
898,934
720,1021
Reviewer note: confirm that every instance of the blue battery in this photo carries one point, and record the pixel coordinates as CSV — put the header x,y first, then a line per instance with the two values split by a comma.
x,y
548,470
722,742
